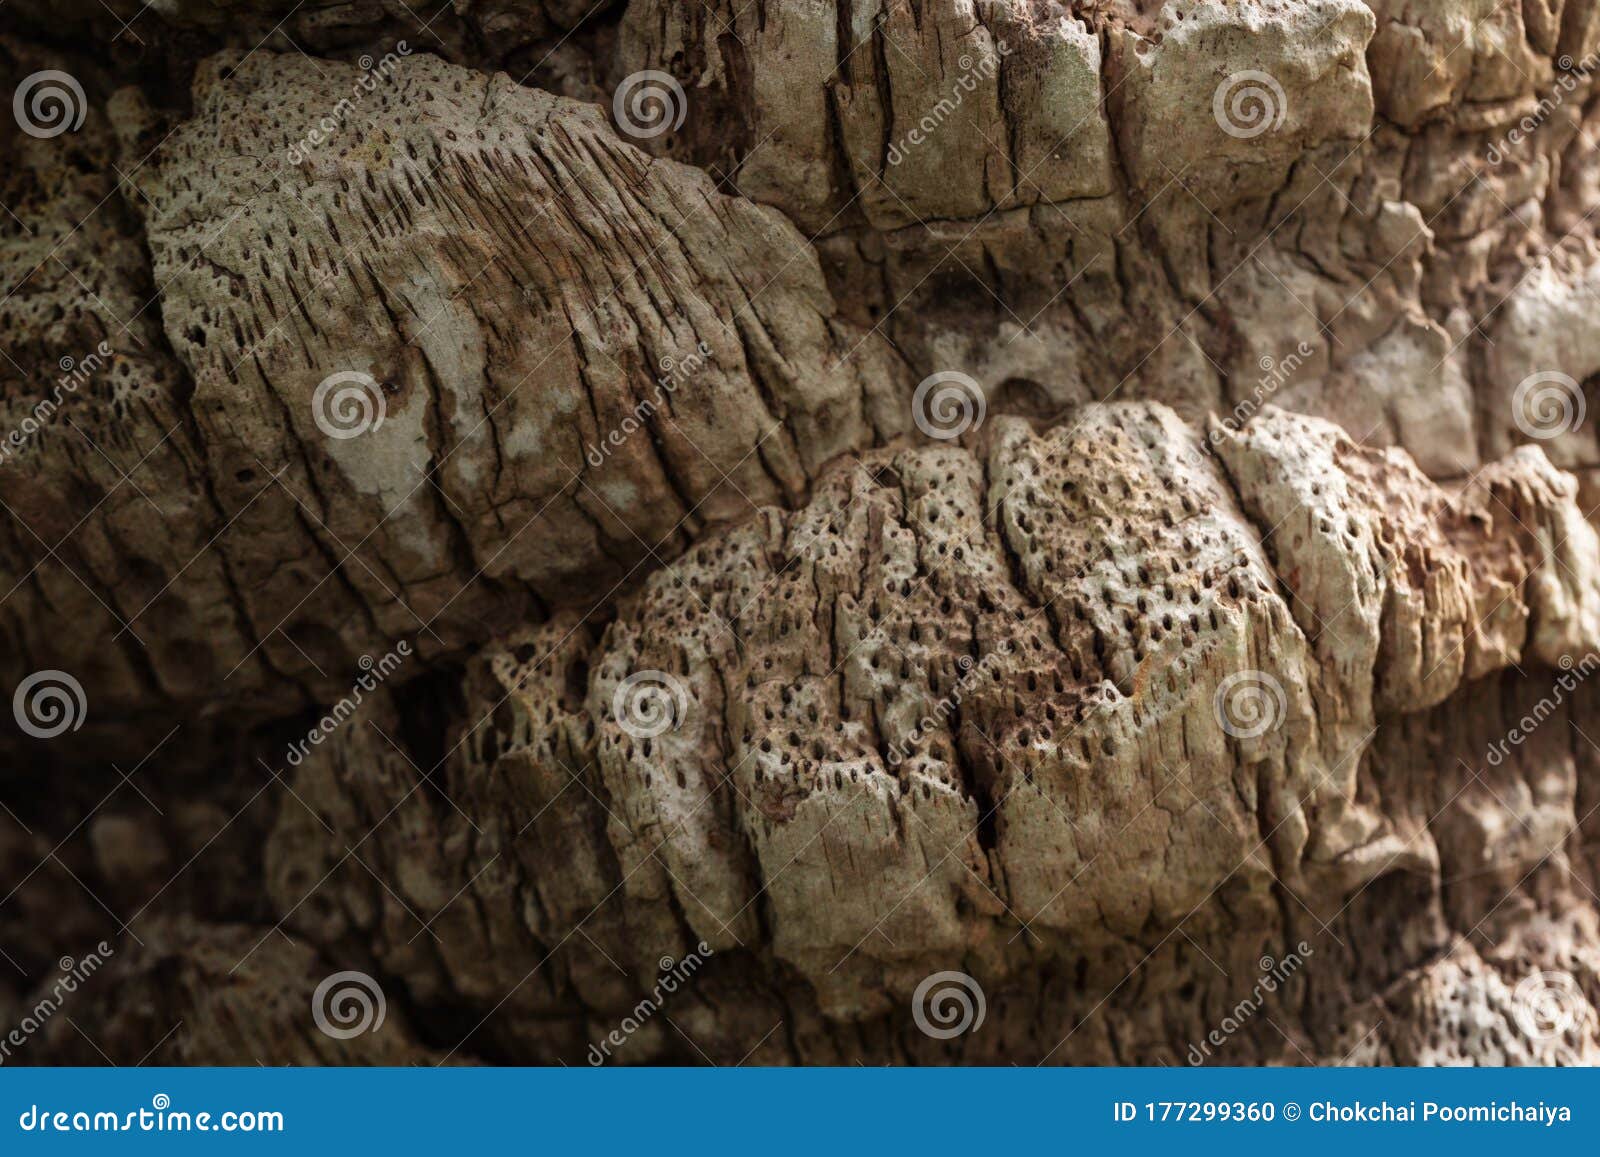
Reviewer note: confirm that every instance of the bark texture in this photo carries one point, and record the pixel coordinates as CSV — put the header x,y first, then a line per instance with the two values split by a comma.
x,y
962,531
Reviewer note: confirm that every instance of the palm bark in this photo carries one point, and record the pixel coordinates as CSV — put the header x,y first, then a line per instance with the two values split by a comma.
x,y
1243,608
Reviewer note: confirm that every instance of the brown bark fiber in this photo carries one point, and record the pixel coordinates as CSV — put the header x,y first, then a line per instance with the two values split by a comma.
x,y
1013,531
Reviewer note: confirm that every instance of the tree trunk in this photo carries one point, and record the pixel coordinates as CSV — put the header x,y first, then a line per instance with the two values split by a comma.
x,y
971,531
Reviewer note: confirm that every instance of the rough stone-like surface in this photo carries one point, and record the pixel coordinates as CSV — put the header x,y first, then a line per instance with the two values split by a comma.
x,y
1234,655
191,995
517,291
966,694
1376,215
